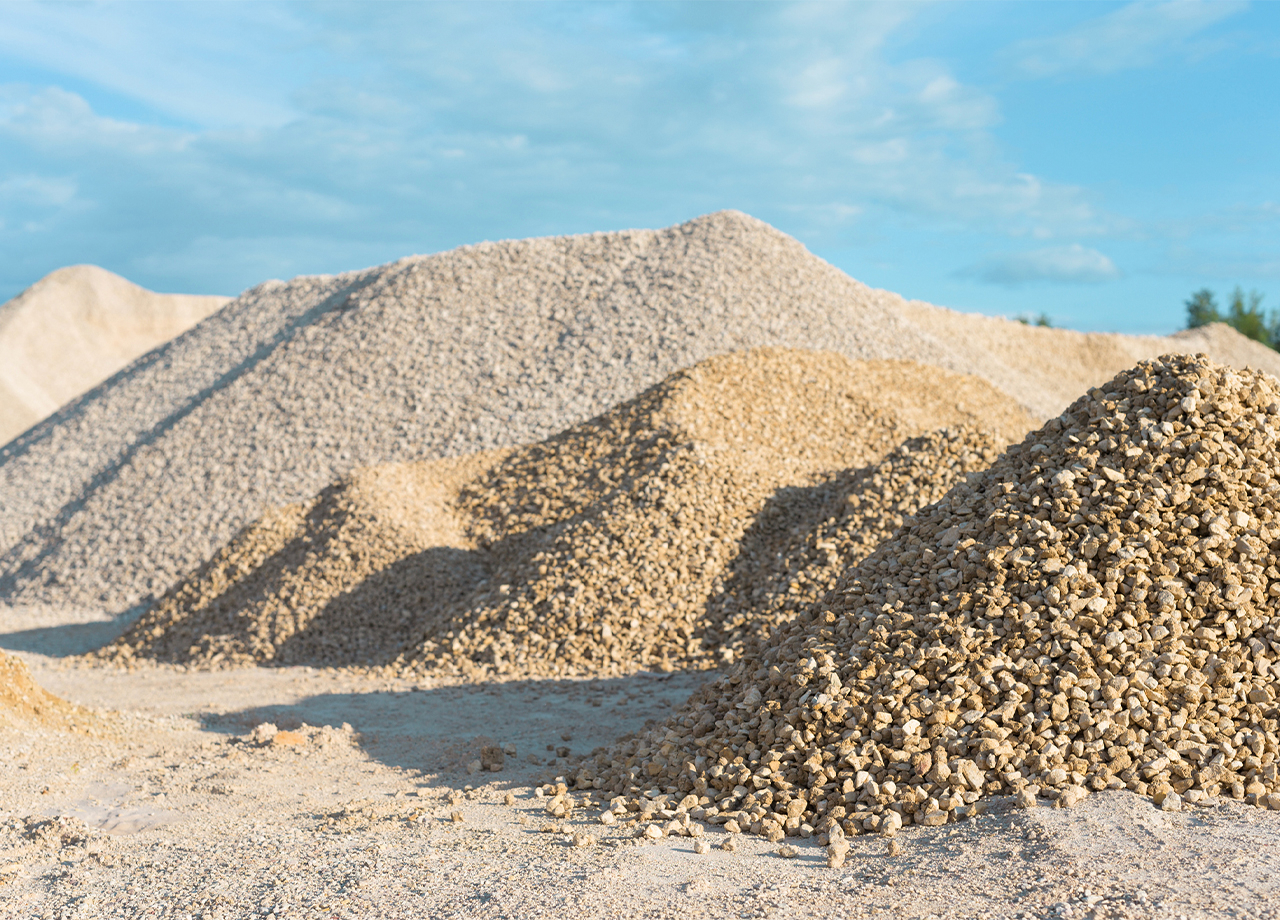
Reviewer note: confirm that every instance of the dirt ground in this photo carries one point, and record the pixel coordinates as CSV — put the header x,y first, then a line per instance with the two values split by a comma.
x,y
179,808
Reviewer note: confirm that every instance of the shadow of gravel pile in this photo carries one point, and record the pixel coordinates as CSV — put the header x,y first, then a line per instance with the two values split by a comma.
x,y
806,538
1097,610
594,552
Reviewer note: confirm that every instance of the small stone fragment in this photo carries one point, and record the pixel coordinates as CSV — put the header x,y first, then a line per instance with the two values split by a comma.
x,y
1171,802
837,850
608,818
701,847
1070,796
894,848
732,826
509,799
583,839
728,845
1025,798
456,817
473,767
652,832
787,851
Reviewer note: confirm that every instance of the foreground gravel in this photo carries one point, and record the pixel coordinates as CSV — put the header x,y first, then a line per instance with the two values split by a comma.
x,y
183,810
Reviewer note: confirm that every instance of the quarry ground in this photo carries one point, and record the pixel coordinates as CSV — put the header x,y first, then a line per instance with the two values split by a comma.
x,y
172,810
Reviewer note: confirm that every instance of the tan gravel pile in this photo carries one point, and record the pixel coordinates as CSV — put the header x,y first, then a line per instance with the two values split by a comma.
x,y
593,552
118,495
1097,610
73,329
24,703
805,539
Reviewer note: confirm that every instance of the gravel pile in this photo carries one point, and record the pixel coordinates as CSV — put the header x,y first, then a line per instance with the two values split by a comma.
x,y
113,498
805,539
594,552
23,703
1096,610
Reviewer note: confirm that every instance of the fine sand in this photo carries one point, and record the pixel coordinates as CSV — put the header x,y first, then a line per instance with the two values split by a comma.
x,y
73,329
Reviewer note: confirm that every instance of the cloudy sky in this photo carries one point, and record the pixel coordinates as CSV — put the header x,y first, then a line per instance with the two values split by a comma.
x,y
1094,161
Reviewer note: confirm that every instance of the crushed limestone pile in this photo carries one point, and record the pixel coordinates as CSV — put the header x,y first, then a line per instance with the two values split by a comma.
x,y
1096,610
23,703
805,539
594,552
112,499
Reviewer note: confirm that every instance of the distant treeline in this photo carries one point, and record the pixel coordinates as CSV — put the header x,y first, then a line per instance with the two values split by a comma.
x,y
1244,314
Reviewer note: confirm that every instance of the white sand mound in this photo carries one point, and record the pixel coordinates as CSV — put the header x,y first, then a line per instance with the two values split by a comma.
x,y
73,329
293,385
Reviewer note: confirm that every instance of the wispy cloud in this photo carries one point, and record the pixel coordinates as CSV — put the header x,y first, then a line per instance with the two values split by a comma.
x,y
1074,264
1136,35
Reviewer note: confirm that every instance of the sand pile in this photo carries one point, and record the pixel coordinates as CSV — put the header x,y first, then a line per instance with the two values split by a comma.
x,y
73,329
1096,610
805,539
23,703
291,386
593,552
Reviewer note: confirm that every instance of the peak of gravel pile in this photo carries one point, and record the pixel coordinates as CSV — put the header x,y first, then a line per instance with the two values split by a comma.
x,y
595,551
292,385
73,329
806,538
23,703
1096,610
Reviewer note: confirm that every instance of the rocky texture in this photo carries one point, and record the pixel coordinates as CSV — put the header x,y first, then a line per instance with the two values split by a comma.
x,y
114,497
594,552
805,539
73,329
1097,610
23,703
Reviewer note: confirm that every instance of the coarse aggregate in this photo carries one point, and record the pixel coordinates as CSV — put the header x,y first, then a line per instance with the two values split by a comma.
x,y
1097,610
25,704
112,499
595,552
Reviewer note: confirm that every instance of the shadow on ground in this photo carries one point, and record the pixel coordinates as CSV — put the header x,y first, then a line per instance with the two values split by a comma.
x,y
440,730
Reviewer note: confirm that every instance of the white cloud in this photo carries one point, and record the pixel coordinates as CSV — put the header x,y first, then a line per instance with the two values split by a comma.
x,y
1136,35
1074,264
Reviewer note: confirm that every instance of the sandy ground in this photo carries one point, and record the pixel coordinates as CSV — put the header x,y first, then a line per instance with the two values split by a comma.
x,y
175,810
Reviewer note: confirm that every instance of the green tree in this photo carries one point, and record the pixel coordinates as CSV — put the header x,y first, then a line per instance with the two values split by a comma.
x,y
1041,320
1244,314
1202,309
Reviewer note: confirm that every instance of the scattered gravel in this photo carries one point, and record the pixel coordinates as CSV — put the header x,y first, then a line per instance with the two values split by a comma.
x,y
595,552
1095,611
119,494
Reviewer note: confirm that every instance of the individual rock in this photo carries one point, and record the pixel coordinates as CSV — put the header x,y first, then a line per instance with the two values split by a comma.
x,y
701,847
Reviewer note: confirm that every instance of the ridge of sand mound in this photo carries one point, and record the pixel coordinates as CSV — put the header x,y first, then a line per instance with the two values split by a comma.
x,y
73,329
1096,610
23,703
594,552
113,498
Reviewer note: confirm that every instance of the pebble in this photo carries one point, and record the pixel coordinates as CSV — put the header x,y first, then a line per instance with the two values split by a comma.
x,y
787,851
701,847
1044,626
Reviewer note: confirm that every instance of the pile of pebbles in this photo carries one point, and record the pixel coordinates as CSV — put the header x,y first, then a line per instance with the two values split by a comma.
x,y
292,385
805,539
594,552
1095,611
24,703
119,494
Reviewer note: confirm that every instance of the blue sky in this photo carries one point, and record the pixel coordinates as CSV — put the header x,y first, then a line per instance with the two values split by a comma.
x,y
1093,161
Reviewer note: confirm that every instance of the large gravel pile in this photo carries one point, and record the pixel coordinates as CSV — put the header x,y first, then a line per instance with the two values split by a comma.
x,y
805,539
594,552
1097,610
293,385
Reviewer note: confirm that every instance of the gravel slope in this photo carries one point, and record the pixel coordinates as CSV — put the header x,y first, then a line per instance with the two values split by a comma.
x,y
290,386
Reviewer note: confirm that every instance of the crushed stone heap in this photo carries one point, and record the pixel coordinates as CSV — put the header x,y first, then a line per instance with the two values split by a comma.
x,y
805,539
1097,610
594,552
122,492
23,703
